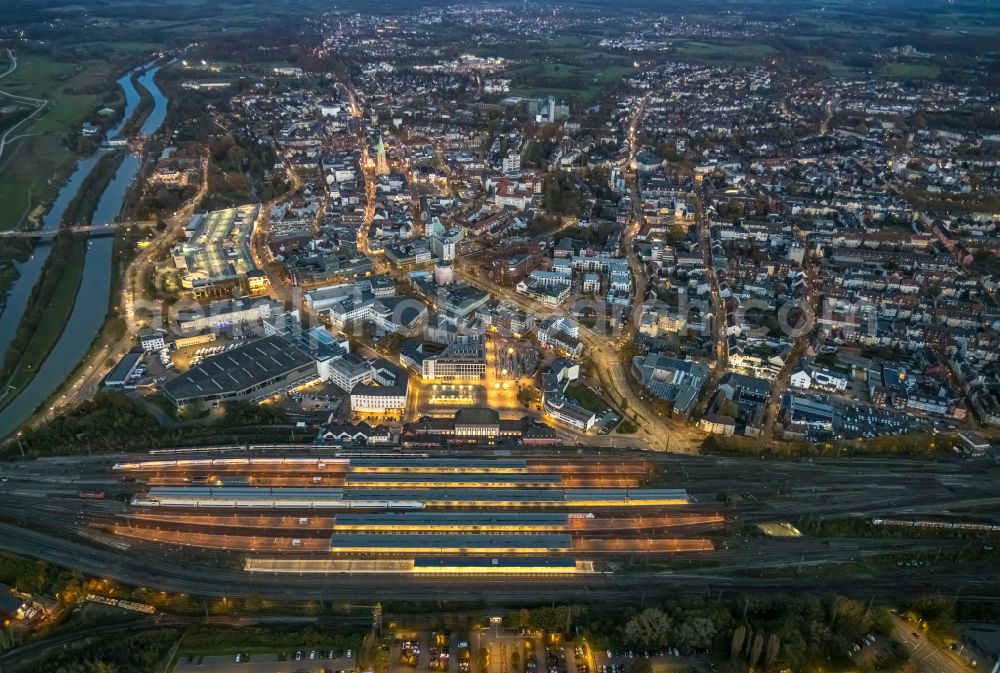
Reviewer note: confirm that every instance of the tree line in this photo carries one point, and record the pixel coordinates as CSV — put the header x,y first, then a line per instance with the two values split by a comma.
x,y
134,653
111,421
762,632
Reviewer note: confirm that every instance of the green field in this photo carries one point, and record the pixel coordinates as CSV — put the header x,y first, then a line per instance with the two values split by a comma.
x,y
724,52
586,398
33,168
75,89
558,94
838,69
568,72
910,70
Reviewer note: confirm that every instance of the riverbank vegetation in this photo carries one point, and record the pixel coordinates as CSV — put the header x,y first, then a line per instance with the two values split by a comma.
x,y
81,208
11,250
47,312
142,109
8,276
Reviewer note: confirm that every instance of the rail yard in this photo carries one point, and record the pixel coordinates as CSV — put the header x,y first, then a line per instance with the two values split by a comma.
x,y
318,522
438,515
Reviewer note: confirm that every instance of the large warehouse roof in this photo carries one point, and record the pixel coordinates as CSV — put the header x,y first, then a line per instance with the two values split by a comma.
x,y
238,371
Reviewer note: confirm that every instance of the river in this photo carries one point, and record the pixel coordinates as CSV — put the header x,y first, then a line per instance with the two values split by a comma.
x,y
94,295
31,270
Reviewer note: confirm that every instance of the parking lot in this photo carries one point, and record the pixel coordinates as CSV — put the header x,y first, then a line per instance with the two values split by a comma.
x,y
862,420
302,660
489,650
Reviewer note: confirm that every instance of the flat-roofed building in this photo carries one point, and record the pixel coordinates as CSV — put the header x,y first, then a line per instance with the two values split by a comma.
x,y
350,370
672,380
123,375
457,361
554,400
806,413
456,299
444,244
252,371
225,313
322,298
216,249
322,347
344,263
151,340
511,269
387,391
562,409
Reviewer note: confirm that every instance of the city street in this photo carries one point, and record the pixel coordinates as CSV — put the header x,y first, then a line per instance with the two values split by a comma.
x,y
928,657
105,353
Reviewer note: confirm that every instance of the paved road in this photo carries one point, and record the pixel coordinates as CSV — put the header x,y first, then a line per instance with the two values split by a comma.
x,y
780,384
928,657
106,353
603,352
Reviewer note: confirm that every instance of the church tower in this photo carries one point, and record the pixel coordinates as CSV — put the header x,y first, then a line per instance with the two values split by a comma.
x,y
381,165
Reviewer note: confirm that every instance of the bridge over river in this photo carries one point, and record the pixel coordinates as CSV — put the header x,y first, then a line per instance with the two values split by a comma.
x,y
93,229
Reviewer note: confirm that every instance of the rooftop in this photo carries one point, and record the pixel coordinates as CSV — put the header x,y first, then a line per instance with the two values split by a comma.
x,y
458,542
477,416
239,370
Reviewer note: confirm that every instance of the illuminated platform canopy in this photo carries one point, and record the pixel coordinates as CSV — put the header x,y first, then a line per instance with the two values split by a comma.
x,y
501,566
428,565
437,465
453,521
489,543
470,480
308,498
411,514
